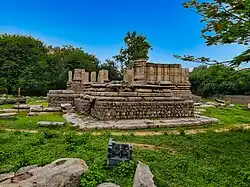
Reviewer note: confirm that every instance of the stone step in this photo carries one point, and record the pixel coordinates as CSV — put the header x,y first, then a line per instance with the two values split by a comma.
x,y
7,115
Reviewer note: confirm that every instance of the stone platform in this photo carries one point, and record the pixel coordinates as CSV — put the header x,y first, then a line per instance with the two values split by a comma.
x,y
144,123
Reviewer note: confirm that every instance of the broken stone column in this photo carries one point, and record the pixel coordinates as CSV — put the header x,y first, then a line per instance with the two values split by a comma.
x,y
177,73
93,76
70,76
78,75
128,75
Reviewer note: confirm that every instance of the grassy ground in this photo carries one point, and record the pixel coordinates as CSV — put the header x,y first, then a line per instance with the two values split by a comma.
x,y
211,159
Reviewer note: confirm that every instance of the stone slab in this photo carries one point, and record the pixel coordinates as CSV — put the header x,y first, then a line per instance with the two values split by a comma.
x,y
74,120
144,123
7,115
143,176
51,123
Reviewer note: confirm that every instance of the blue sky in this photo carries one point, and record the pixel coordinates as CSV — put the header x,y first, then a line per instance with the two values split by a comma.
x,y
98,26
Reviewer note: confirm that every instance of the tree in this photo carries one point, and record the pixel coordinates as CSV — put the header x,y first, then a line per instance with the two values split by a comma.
x,y
219,79
226,22
114,72
22,61
67,59
137,47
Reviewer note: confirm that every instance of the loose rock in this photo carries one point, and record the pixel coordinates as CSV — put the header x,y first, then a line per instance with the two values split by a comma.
x,y
143,176
65,172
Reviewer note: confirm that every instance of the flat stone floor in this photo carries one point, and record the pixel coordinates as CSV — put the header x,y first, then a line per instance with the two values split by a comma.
x,y
146,123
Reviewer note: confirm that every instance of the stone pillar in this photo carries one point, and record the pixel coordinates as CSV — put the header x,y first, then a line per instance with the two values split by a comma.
x,y
83,76
166,70
172,72
70,76
177,73
151,73
159,72
78,74
86,77
128,75
93,77
105,75
101,77
140,69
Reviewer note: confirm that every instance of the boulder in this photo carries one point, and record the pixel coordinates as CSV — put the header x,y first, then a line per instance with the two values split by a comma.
x,y
107,184
65,172
50,123
7,115
143,176
6,176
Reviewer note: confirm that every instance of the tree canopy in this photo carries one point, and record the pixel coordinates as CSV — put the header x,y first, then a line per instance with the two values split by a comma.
x,y
28,63
137,47
225,22
208,81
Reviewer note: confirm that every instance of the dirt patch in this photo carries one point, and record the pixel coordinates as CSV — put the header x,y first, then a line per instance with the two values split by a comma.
x,y
145,146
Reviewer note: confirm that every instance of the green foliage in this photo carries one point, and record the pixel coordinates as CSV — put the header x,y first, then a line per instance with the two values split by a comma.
x,y
137,47
225,22
92,178
28,63
219,80
113,69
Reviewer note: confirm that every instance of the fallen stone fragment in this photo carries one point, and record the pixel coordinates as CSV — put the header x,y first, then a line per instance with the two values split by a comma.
x,y
49,109
66,106
50,123
143,176
12,101
65,172
22,106
73,119
108,185
206,106
10,110
220,101
7,115
231,105
197,104
37,113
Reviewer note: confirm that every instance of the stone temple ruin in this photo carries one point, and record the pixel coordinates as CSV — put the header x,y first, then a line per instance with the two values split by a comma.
x,y
148,91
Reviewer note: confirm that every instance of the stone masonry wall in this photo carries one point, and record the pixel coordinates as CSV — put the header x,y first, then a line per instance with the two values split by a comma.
x,y
104,110
58,97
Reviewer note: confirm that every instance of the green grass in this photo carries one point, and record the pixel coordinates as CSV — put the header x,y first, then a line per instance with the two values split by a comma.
x,y
230,115
211,159
30,122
